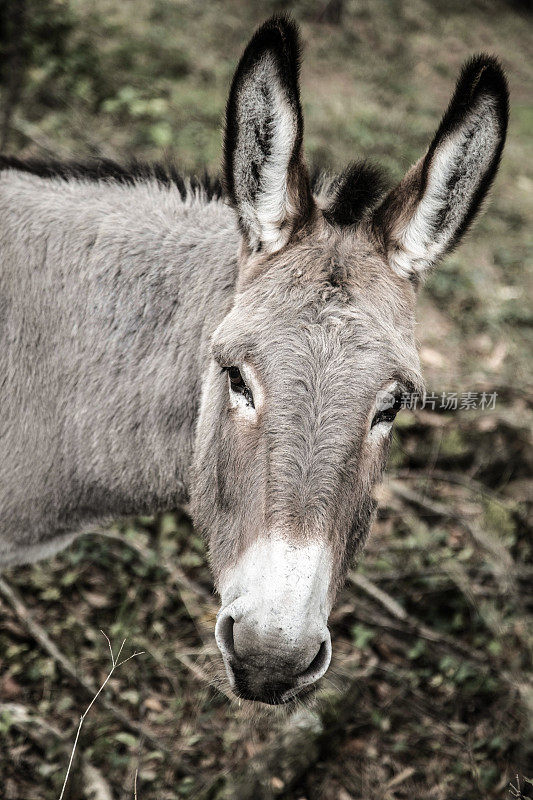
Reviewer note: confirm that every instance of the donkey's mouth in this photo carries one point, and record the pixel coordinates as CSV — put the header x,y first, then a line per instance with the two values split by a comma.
x,y
267,693
270,683
288,700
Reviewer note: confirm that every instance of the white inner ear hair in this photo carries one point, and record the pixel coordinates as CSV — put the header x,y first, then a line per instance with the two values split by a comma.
x,y
459,164
267,131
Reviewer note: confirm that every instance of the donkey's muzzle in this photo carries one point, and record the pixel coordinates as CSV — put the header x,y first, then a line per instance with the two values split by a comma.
x,y
268,661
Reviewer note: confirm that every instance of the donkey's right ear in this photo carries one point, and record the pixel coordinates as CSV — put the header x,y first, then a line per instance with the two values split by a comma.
x,y
266,179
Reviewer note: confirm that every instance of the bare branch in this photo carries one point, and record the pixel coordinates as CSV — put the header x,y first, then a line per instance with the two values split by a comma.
x,y
399,613
109,644
502,556
114,666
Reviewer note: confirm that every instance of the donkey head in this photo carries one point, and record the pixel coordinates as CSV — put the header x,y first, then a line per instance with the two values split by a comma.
x,y
302,389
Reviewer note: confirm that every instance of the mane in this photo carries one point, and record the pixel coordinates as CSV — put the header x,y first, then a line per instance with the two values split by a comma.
x,y
344,198
104,169
347,197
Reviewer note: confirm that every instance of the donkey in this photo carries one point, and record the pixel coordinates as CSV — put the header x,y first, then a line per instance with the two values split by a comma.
x,y
165,344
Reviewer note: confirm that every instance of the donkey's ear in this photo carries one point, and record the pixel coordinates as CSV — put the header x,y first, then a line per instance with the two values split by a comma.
x,y
427,213
265,176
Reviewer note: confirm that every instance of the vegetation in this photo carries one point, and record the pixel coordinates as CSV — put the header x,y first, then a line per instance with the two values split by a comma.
x,y
428,697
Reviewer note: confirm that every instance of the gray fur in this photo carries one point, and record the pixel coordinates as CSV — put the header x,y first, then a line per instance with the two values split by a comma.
x,y
109,296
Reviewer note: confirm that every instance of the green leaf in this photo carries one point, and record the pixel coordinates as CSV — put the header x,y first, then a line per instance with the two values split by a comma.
x,y
127,739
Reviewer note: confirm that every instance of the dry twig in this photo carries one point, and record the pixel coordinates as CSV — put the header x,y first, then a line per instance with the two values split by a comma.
x,y
116,664
498,551
399,613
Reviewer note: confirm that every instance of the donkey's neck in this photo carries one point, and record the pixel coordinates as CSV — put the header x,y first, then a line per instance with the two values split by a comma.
x,y
115,290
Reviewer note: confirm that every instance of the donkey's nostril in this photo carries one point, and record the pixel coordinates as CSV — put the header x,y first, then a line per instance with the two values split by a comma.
x,y
224,632
314,666
225,641
318,665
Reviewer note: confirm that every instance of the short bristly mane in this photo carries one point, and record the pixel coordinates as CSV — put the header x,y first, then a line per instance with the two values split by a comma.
x,y
345,197
108,170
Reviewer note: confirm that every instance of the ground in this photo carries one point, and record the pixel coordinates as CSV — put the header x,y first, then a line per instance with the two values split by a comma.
x,y
428,696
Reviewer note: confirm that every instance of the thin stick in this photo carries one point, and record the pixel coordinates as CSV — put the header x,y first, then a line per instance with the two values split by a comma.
x,y
364,583
455,478
399,613
115,665
503,558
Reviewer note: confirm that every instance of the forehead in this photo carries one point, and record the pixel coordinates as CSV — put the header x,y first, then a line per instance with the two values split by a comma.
x,y
332,300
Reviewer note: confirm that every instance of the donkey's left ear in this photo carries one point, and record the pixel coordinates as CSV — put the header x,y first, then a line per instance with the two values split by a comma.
x,y
265,176
427,213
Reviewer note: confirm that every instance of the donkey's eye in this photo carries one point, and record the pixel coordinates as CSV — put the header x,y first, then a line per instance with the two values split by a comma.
x,y
237,384
384,416
235,379
388,414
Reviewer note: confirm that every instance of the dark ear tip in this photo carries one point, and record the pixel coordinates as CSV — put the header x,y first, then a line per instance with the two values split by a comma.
x,y
276,46
280,37
483,74
282,24
279,33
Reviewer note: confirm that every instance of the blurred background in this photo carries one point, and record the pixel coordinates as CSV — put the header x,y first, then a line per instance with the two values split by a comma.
x,y
429,696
